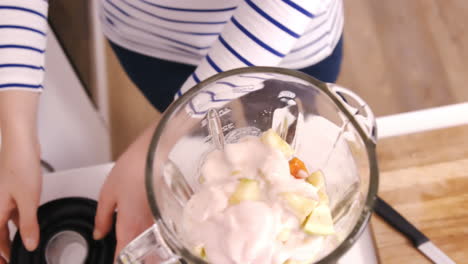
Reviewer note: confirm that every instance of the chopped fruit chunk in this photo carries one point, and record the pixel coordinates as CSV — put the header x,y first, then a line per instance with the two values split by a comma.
x,y
201,179
283,236
293,261
319,222
300,205
297,168
235,172
273,140
200,251
247,189
316,179
323,197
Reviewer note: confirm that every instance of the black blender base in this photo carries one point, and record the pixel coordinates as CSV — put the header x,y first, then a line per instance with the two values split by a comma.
x,y
66,221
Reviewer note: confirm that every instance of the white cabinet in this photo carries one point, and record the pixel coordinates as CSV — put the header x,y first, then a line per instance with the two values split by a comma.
x,y
71,132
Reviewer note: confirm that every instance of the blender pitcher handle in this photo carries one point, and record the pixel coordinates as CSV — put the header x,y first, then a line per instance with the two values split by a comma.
x,y
358,108
149,242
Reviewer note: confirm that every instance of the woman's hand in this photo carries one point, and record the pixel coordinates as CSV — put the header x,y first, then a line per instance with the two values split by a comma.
x,y
124,191
20,188
20,169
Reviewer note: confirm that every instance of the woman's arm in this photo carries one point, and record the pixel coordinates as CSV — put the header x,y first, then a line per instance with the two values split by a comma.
x,y
260,33
20,171
23,26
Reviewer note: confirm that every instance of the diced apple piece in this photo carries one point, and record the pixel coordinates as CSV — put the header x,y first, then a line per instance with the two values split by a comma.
x,y
273,140
247,189
319,222
323,197
283,236
300,205
316,179
200,251
201,179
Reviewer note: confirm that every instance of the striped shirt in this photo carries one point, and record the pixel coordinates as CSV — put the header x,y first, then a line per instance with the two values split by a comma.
x,y
215,35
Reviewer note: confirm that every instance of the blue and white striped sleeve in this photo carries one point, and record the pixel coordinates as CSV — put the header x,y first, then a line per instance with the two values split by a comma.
x,y
260,33
23,26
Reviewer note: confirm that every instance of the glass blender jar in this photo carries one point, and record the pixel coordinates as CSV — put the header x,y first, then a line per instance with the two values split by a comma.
x,y
331,128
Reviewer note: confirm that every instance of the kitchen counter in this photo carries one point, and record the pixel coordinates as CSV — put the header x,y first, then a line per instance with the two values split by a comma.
x,y
425,177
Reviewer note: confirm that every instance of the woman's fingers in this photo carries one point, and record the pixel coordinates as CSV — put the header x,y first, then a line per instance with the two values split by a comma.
x,y
104,214
28,225
15,217
4,242
133,218
6,208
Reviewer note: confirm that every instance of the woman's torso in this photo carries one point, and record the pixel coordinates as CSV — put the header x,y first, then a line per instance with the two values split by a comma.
x,y
183,31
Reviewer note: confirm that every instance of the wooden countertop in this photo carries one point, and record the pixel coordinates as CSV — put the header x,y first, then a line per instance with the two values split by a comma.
x,y
425,177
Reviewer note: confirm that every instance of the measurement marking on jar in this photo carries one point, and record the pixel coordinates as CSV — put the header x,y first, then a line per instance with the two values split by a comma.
x,y
221,112
228,127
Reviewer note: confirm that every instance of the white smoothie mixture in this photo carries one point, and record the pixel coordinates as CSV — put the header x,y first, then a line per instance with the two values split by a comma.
x,y
257,204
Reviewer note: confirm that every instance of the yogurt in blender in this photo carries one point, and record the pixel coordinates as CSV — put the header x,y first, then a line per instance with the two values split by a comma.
x,y
257,204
